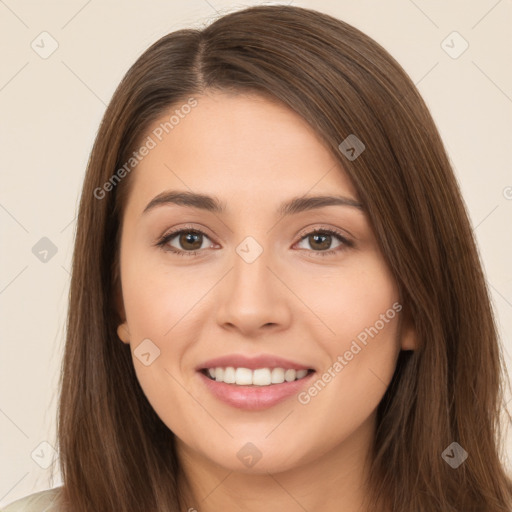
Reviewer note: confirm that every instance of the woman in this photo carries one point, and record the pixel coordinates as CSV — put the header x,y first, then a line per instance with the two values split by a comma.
x,y
276,298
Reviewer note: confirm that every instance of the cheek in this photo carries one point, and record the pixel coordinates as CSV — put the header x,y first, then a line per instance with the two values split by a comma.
x,y
158,301
361,309
351,387
368,360
351,298
160,308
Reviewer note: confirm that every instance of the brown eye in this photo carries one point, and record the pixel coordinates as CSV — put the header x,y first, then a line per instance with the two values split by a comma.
x,y
321,241
185,242
190,240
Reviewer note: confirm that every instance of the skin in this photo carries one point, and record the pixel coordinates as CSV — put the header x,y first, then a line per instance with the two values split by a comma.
x,y
293,302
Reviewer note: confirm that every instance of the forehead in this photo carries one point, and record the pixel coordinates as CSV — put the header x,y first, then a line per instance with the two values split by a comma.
x,y
242,148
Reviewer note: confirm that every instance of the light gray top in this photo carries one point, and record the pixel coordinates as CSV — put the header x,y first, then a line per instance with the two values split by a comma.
x,y
42,501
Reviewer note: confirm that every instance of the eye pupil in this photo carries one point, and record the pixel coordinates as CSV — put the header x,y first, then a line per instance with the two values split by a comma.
x,y
323,245
190,237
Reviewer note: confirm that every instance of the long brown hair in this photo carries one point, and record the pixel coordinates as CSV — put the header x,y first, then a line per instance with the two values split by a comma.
x,y
115,452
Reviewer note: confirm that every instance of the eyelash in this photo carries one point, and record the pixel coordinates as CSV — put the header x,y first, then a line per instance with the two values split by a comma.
x,y
162,242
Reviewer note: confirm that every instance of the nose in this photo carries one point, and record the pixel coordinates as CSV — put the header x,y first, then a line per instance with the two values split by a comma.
x,y
253,300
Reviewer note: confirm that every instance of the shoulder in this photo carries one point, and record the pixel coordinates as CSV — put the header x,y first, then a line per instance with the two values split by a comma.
x,y
43,501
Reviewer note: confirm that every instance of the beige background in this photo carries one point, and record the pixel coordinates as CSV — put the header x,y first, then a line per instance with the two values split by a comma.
x,y
51,109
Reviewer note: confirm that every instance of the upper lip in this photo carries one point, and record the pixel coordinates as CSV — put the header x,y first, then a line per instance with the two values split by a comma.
x,y
252,363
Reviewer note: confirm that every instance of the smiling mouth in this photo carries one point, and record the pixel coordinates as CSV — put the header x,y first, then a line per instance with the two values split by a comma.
x,y
254,378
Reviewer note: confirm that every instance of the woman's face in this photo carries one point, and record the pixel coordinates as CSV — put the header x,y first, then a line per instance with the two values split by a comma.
x,y
250,282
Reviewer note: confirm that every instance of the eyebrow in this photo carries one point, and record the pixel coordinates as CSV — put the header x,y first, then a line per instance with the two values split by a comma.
x,y
214,205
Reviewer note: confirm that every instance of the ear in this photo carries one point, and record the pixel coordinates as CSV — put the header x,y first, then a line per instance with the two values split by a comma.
x,y
408,338
123,332
122,329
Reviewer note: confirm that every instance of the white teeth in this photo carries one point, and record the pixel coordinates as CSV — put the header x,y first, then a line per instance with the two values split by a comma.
x,y
261,377
301,373
258,377
277,376
289,375
229,375
243,376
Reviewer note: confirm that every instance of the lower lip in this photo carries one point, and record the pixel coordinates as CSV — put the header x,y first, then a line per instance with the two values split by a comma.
x,y
254,398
